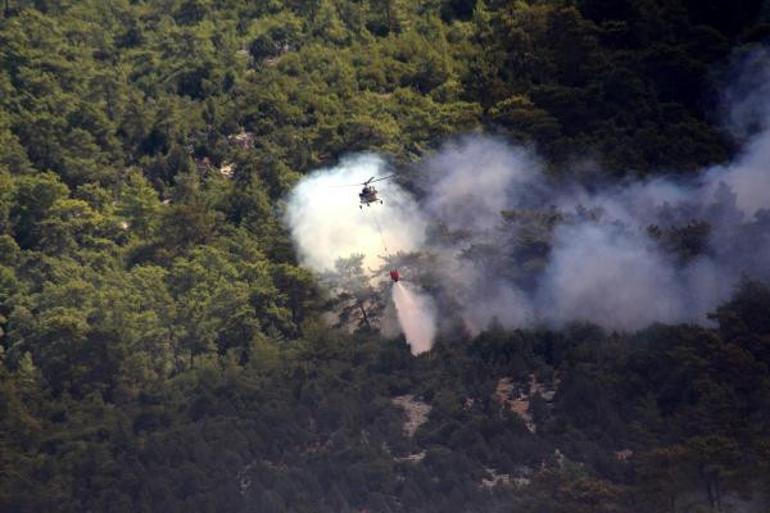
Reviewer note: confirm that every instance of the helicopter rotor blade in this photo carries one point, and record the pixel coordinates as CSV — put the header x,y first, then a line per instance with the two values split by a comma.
x,y
380,178
370,180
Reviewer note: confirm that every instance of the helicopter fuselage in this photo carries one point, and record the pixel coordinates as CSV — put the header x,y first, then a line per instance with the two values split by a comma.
x,y
368,195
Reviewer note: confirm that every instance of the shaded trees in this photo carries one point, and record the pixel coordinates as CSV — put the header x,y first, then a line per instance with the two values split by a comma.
x,y
160,349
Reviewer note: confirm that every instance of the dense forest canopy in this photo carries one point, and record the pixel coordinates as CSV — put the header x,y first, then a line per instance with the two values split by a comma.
x,y
162,348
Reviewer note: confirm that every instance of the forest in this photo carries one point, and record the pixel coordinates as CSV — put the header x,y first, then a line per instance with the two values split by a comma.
x,y
164,348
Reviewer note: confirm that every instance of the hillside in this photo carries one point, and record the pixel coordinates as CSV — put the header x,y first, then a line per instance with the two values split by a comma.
x,y
169,343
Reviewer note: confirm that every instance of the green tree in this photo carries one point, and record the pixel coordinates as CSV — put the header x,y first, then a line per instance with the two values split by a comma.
x,y
354,296
716,459
34,197
139,205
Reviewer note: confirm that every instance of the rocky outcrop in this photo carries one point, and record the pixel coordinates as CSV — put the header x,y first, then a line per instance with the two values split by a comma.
x,y
517,397
416,412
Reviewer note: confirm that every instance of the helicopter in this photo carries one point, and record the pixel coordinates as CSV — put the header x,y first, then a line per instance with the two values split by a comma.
x,y
368,194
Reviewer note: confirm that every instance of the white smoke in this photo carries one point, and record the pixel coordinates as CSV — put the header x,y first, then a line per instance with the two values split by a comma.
x,y
326,222
748,177
746,105
747,110
471,180
416,315
507,243
604,275
606,268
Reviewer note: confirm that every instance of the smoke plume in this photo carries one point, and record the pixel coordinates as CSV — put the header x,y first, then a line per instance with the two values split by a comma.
x,y
502,241
326,222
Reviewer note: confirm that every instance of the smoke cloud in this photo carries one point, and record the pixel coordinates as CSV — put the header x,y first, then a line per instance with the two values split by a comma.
x,y
507,243
469,182
326,222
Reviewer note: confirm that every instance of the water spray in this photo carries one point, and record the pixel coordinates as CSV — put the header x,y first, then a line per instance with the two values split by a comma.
x,y
417,316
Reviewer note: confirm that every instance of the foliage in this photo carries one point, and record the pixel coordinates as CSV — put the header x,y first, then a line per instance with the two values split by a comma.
x,y
162,350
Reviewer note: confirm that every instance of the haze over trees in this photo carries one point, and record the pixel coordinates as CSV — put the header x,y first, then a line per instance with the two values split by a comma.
x,y
162,350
